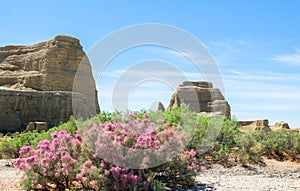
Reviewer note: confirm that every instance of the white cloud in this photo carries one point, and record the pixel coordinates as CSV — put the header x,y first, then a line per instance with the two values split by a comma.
x,y
260,76
288,58
258,94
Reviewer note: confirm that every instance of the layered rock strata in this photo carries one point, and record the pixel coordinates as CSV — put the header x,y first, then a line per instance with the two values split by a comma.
x,y
37,83
201,97
255,125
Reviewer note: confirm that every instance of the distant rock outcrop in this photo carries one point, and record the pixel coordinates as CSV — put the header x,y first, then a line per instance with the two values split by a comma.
x,y
36,83
255,125
201,98
157,106
280,125
263,125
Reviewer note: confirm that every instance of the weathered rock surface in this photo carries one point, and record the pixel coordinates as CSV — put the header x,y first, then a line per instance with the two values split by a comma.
x,y
263,125
296,130
255,125
280,125
201,97
39,126
36,83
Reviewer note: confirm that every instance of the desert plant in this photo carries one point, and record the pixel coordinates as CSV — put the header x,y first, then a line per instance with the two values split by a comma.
x,y
281,144
73,161
113,140
10,146
57,161
249,148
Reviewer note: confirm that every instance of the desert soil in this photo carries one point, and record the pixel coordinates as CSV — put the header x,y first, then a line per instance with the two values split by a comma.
x,y
274,176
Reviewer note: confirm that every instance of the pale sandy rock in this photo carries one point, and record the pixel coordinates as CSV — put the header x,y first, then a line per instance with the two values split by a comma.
x,y
37,83
255,125
280,125
39,126
201,97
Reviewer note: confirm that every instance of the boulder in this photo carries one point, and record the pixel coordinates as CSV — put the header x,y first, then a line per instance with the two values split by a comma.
x,y
201,97
39,126
255,125
37,83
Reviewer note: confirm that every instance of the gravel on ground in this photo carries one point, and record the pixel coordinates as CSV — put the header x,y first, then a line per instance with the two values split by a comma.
x,y
274,176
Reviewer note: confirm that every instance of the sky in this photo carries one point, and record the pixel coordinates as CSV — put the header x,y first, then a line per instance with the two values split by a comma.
x,y
255,44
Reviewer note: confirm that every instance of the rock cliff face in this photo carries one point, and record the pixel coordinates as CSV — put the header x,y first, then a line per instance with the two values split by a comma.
x,y
36,83
201,97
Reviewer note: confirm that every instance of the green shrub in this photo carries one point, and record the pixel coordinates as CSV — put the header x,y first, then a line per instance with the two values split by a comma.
x,y
280,143
9,147
249,148
215,137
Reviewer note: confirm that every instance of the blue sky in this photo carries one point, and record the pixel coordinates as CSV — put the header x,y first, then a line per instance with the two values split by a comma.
x,y
256,45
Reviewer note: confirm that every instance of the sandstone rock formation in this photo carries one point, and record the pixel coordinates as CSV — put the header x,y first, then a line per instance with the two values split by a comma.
x,y
263,125
36,83
255,125
201,97
280,125
157,106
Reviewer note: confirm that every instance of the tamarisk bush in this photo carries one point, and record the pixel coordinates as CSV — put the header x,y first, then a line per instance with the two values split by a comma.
x,y
58,161
130,154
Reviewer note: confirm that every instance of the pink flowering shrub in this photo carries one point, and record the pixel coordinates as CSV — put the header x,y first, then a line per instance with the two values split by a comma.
x,y
135,144
157,147
58,161
129,154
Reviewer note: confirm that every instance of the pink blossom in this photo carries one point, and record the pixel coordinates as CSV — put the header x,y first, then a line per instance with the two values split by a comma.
x,y
79,176
95,156
30,159
23,166
106,172
124,179
57,174
102,164
78,137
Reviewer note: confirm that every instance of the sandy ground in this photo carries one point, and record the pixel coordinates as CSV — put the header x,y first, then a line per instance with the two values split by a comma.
x,y
9,177
275,176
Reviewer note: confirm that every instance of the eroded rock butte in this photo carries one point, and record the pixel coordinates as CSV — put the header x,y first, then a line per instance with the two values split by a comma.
x,y
37,83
